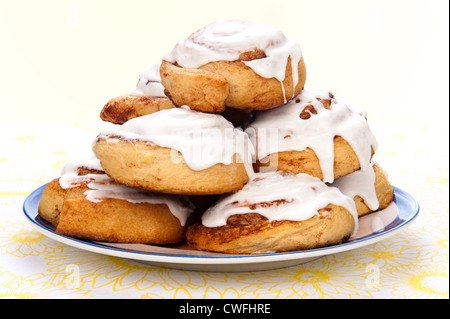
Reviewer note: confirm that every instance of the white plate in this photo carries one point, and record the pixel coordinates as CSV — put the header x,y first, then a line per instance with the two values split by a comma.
x,y
372,228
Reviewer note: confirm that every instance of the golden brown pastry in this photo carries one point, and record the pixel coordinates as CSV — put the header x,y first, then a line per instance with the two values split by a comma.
x,y
312,134
52,200
53,195
177,151
202,91
234,64
345,161
119,221
85,203
162,169
120,109
147,98
276,212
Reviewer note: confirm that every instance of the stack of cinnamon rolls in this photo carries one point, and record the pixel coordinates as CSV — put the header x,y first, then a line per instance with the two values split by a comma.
x,y
222,147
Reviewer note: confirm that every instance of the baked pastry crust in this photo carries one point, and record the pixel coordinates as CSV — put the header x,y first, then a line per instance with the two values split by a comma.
x,y
110,220
220,84
120,109
115,220
255,234
201,90
149,166
306,161
123,108
52,200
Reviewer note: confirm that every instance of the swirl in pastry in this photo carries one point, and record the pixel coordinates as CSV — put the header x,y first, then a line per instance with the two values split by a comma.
x,y
276,212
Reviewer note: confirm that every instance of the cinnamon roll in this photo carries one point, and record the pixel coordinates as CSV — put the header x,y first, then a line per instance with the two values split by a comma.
x,y
234,64
312,134
177,151
147,98
125,107
85,203
276,212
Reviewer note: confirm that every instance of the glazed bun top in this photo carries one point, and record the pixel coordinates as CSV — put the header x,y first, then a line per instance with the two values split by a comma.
x,y
203,139
279,196
226,40
312,120
88,171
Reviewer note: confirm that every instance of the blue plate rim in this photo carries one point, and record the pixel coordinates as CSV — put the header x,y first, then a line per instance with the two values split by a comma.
x,y
400,197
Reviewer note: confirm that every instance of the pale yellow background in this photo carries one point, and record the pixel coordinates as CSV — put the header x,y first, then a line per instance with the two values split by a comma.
x,y
62,60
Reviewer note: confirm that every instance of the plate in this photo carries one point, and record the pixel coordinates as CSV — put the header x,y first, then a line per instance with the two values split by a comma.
x,y
372,228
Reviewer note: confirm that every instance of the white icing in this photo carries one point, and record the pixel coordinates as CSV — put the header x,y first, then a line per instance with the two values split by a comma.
x,y
90,163
203,139
281,129
360,183
149,83
226,40
101,186
70,173
303,197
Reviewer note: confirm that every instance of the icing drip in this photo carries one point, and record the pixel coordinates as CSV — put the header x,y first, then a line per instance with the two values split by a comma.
x,y
281,129
226,40
203,139
360,183
149,83
101,186
302,197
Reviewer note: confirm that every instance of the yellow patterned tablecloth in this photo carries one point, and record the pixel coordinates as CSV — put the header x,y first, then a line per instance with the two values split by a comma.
x,y
412,264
